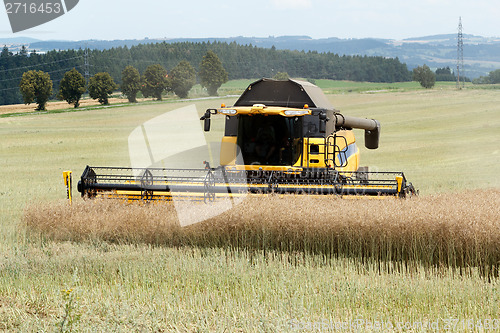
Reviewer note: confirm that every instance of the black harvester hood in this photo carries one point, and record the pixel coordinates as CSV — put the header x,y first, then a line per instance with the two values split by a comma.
x,y
291,93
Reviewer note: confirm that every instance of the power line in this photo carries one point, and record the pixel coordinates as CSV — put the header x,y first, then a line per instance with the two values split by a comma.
x,y
31,66
6,89
51,72
13,88
54,71
460,55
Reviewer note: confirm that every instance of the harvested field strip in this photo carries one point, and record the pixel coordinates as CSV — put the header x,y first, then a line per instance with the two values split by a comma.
x,y
457,231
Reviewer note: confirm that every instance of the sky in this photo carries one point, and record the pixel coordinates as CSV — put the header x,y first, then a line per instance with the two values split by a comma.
x,y
390,19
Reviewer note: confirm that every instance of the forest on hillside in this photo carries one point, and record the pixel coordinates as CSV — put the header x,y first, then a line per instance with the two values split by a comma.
x,y
240,61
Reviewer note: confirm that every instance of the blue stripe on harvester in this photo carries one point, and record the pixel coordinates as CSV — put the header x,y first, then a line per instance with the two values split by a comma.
x,y
349,151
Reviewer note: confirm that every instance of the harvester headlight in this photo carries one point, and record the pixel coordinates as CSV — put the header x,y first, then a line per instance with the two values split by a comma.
x,y
296,112
228,111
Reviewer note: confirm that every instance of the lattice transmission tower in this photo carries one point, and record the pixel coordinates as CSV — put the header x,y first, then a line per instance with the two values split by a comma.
x,y
86,66
460,56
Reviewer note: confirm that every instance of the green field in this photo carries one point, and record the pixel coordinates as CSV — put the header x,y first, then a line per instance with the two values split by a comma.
x,y
444,140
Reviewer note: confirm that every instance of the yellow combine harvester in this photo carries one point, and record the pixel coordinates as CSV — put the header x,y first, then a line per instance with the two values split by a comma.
x,y
280,137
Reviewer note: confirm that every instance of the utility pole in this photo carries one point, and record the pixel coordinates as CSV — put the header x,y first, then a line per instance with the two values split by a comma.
x,y
460,55
86,66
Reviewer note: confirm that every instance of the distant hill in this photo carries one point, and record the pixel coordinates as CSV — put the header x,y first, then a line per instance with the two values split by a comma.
x,y
16,41
481,54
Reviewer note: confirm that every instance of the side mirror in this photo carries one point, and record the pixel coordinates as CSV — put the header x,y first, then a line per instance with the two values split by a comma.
x,y
206,119
207,124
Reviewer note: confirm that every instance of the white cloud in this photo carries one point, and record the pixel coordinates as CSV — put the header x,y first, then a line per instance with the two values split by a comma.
x,y
292,4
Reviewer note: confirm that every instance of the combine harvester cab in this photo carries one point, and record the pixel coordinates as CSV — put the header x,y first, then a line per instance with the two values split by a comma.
x,y
292,140
280,137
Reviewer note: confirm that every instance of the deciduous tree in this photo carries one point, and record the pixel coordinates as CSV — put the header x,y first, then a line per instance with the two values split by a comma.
x,y
72,87
212,73
36,86
494,76
101,86
154,81
183,78
424,76
131,83
282,76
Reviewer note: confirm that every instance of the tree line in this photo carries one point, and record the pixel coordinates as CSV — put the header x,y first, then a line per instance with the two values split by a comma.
x,y
427,78
492,78
240,62
37,86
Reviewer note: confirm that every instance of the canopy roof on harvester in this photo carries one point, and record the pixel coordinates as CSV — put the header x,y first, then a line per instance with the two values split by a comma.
x,y
291,93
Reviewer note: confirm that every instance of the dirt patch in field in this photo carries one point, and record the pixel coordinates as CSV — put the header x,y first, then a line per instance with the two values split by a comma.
x,y
51,106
